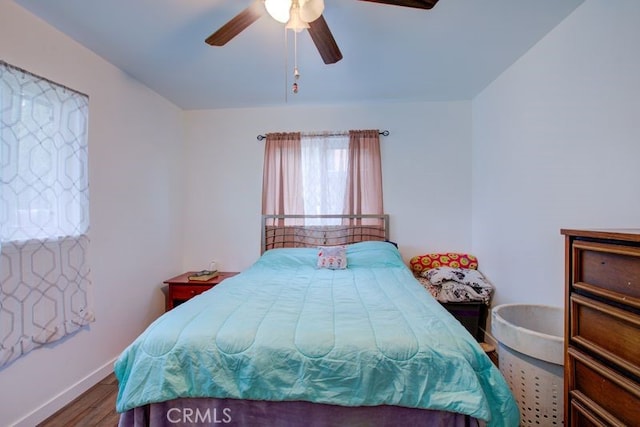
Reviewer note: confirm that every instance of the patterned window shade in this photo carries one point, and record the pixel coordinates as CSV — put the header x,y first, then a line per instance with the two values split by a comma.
x,y
44,212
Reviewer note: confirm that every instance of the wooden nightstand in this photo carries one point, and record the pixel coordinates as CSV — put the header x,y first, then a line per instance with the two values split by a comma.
x,y
472,315
182,289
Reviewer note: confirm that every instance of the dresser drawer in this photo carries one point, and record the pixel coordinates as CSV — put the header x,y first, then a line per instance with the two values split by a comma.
x,y
612,271
592,324
585,414
608,393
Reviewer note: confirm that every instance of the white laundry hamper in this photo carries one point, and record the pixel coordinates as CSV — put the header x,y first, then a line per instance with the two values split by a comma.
x,y
531,359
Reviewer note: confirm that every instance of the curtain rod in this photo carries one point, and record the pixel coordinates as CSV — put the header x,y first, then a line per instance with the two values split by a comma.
x,y
35,76
383,133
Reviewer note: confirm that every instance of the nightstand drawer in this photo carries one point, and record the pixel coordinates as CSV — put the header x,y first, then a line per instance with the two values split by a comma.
x,y
184,292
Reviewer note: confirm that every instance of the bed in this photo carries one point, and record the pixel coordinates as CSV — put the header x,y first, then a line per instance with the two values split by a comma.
x,y
287,343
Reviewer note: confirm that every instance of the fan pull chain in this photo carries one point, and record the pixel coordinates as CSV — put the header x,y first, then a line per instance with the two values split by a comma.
x,y
296,73
286,66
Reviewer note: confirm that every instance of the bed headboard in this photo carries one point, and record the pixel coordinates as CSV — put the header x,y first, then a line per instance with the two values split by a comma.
x,y
302,231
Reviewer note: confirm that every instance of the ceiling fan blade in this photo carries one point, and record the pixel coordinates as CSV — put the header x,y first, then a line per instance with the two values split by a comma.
x,y
418,4
324,41
236,25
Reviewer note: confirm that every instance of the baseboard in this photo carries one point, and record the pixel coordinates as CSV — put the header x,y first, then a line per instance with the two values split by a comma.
x,y
63,398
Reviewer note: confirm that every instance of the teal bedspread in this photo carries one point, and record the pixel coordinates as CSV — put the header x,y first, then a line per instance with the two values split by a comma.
x,y
286,330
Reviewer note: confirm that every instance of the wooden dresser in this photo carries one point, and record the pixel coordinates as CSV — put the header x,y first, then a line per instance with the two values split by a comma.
x,y
602,327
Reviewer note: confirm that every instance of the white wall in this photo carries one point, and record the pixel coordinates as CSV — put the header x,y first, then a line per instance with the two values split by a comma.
x,y
556,144
426,162
135,178
550,144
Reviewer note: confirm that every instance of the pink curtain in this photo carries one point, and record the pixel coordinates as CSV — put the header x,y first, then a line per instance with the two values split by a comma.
x,y
282,175
364,179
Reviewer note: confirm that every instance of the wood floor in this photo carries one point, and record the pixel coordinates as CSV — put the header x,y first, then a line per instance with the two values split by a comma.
x,y
95,407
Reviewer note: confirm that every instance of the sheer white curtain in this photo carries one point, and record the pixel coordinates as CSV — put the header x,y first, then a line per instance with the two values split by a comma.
x,y
45,290
324,174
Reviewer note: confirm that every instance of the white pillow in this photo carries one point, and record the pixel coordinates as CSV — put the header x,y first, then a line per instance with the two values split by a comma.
x,y
332,257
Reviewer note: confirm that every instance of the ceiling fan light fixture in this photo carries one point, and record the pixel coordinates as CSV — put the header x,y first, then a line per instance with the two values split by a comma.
x,y
295,22
310,10
278,9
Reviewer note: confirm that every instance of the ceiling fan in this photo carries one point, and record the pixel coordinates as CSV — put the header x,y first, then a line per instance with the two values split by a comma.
x,y
298,15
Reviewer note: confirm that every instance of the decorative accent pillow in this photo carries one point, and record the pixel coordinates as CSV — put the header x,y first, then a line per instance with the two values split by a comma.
x,y
449,259
332,257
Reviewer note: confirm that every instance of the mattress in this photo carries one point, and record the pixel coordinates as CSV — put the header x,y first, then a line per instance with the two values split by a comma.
x,y
287,331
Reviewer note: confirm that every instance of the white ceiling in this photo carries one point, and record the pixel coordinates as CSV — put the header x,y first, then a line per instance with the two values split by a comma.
x,y
450,52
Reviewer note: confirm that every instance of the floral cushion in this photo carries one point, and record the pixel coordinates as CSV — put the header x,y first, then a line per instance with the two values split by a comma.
x,y
332,257
446,259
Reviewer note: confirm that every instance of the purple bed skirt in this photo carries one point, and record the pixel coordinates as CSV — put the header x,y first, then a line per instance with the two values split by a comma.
x,y
234,412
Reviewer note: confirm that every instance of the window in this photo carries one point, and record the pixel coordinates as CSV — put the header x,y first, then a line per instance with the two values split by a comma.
x,y
328,173
44,166
44,212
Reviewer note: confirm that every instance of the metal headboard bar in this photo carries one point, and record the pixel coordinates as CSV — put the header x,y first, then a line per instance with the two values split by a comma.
x,y
364,231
